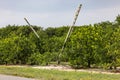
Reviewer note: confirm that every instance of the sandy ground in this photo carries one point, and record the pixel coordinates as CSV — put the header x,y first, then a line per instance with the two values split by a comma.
x,y
67,68
7,77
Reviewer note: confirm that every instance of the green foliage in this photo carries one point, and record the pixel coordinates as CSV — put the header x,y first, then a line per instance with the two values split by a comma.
x,y
35,58
85,44
95,45
118,19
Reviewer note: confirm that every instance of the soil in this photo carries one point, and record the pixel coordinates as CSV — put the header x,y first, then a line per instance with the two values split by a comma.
x,y
68,68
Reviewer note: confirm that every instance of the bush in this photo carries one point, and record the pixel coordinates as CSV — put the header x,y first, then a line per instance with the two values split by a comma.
x,y
35,59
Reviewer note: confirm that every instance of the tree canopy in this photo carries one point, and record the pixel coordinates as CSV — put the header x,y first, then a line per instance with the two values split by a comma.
x,y
95,45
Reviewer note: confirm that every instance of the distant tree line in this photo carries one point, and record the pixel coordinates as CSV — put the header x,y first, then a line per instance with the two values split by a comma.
x,y
95,45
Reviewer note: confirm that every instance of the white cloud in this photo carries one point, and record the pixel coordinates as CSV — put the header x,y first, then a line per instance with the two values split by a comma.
x,y
41,19
98,15
52,13
10,17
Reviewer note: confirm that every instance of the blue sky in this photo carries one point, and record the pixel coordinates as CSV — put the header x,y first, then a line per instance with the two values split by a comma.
x,y
56,13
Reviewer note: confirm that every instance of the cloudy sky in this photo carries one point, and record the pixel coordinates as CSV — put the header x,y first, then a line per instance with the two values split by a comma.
x,y
55,13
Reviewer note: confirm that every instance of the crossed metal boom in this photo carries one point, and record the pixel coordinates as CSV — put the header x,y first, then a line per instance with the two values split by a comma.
x,y
68,34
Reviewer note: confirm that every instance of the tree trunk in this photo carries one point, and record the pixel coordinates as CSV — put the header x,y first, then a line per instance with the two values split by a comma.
x,y
115,67
89,63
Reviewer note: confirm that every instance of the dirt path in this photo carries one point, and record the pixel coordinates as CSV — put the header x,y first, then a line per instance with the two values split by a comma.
x,y
7,77
67,68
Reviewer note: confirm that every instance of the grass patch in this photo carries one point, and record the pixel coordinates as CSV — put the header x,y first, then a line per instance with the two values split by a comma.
x,y
41,74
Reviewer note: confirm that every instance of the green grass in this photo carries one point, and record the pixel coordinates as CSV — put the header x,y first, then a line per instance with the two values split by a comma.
x,y
41,74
